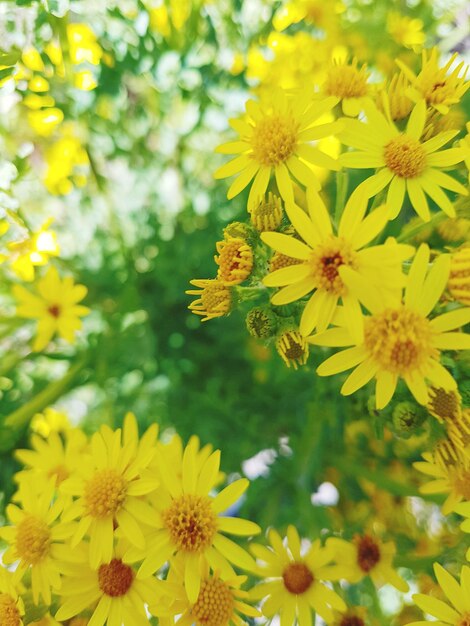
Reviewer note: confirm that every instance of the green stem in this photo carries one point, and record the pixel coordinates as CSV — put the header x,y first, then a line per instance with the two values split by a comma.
x,y
412,232
342,180
21,417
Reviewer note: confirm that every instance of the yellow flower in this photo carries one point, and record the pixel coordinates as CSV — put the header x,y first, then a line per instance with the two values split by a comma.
x,y
324,254
434,84
214,298
108,488
11,605
51,458
50,421
34,538
406,31
45,121
405,162
393,99
275,137
187,521
220,602
294,584
67,164
321,14
235,261
445,404
459,277
83,44
33,251
366,556
398,340
450,472
268,214
458,595
348,84
111,591
54,305
353,616
292,348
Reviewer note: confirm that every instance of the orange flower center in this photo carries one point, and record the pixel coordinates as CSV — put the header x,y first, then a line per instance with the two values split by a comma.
x,y
9,613
60,472
33,539
192,522
292,348
274,139
105,493
399,340
115,578
297,578
368,553
351,620
54,310
405,157
464,620
235,261
215,603
325,261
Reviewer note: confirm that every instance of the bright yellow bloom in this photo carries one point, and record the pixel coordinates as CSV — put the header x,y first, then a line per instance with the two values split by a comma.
x,y
45,121
83,44
451,475
366,556
406,31
292,348
399,340
294,584
405,162
235,261
324,254
323,15
214,298
187,521
108,488
348,84
54,306
34,538
67,164
394,100
220,602
275,137
459,277
434,84
33,251
50,421
51,458
11,605
457,612
111,591
268,214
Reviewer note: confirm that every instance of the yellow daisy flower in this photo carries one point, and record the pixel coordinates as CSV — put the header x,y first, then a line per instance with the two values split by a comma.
x,y
112,591
404,162
54,305
325,253
366,556
406,31
457,612
294,585
108,488
433,83
11,605
51,458
348,84
214,298
220,602
34,538
186,520
399,340
275,137
450,472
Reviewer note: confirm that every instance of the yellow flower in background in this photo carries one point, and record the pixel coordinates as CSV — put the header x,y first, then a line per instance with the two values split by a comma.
x,y
294,584
33,539
33,251
45,121
187,521
323,15
67,163
108,488
54,305
220,602
275,138
11,605
457,612
323,255
459,277
83,44
348,84
399,340
366,556
405,162
111,592
405,31
439,88
393,99
450,474
50,421
51,458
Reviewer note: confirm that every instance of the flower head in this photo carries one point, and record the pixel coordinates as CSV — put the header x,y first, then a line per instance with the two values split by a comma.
x,y
54,305
348,84
405,31
394,100
11,605
275,137
235,261
292,348
459,277
35,250
268,213
294,581
214,298
398,339
324,254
